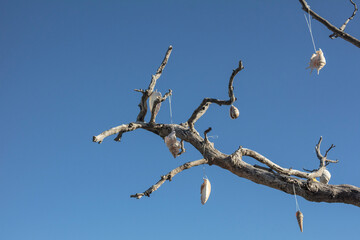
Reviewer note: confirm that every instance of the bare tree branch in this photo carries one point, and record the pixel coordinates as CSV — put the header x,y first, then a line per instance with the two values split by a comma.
x,y
206,132
157,101
169,177
146,93
335,30
326,153
201,110
119,129
342,28
273,166
182,149
276,177
281,179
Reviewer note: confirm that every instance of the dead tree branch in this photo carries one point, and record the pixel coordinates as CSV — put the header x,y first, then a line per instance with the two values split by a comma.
x,y
182,149
146,93
201,110
158,101
338,31
275,176
169,177
117,130
342,28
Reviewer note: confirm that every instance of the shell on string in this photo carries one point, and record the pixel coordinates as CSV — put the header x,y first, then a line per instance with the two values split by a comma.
x,y
172,143
300,219
154,95
325,176
317,61
205,190
234,112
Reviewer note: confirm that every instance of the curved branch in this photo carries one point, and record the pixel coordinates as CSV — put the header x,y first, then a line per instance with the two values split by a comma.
x,y
308,189
201,110
342,28
169,177
273,166
335,30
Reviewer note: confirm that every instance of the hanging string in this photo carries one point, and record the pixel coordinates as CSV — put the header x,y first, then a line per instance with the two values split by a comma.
x,y
205,177
171,120
308,22
214,136
297,205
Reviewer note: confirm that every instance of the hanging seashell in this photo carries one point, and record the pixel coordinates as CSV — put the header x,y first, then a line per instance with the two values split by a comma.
x,y
152,98
317,61
172,143
205,190
325,177
300,218
234,112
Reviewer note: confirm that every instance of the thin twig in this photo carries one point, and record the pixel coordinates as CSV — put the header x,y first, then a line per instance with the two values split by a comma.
x,y
169,177
201,110
342,28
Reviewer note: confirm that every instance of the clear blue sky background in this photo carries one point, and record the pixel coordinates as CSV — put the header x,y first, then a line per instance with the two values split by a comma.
x,y
68,70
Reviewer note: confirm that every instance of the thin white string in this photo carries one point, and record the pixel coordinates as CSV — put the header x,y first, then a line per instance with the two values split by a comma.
x,y
308,22
171,120
204,173
297,205
214,137
205,177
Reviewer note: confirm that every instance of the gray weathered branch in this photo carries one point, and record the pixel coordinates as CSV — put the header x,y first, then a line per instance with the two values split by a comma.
x,y
342,28
169,177
182,149
117,130
275,177
201,110
146,93
281,179
156,102
335,30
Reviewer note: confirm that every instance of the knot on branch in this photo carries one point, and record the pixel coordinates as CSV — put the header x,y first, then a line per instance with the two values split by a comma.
x,y
312,186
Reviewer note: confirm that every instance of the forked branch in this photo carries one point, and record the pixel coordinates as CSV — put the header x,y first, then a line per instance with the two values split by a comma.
x,y
156,102
342,28
146,93
275,176
201,110
337,31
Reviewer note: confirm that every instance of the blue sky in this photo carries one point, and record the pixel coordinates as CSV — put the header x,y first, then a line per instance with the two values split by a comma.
x,y
68,70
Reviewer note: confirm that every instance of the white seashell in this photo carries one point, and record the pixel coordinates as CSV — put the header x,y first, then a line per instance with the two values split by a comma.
x,y
317,61
205,190
325,177
152,99
172,143
234,112
300,219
